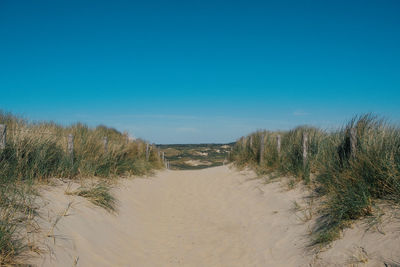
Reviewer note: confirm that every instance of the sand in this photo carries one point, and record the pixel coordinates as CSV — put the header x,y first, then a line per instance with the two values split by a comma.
x,y
197,162
210,217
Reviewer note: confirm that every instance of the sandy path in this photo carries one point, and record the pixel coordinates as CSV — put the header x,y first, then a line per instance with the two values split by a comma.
x,y
211,217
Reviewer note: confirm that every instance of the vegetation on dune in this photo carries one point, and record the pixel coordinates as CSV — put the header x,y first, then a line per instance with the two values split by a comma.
x,y
39,151
99,194
350,181
16,212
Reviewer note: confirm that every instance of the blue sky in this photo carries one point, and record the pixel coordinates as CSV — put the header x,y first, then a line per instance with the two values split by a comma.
x,y
199,71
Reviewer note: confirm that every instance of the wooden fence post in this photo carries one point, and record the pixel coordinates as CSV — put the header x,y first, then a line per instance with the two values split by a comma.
x,y
163,156
147,152
353,141
105,143
261,148
251,141
70,145
3,136
305,143
278,144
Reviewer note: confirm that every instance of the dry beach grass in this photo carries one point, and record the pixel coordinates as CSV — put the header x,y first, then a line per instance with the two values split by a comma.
x,y
36,152
349,176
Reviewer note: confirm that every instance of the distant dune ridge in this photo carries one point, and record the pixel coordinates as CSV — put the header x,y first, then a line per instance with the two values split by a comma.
x,y
210,217
195,156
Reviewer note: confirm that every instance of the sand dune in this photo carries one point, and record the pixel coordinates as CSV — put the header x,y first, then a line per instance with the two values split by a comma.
x,y
210,217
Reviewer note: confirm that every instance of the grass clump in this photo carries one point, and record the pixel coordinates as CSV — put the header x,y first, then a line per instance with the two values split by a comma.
x,y
99,194
9,247
16,212
38,151
352,182
289,160
349,177
247,152
292,152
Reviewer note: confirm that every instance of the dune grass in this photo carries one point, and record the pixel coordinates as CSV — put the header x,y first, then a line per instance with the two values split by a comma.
x,y
99,194
349,183
16,212
38,151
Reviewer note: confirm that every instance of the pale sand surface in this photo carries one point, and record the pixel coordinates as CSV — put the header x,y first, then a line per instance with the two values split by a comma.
x,y
210,217
197,162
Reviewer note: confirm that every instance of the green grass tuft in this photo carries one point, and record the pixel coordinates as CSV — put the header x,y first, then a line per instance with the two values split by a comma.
x,y
350,183
38,151
99,194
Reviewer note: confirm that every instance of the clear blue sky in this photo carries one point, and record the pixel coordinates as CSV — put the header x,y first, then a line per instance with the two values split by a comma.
x,y
199,71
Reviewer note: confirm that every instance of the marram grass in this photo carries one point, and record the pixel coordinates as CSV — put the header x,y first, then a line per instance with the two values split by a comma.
x,y
99,194
350,182
38,151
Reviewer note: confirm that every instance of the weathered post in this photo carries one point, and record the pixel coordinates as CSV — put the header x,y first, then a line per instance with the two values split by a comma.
x,y
261,148
251,142
163,156
147,152
70,146
278,144
353,141
3,136
305,142
105,143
